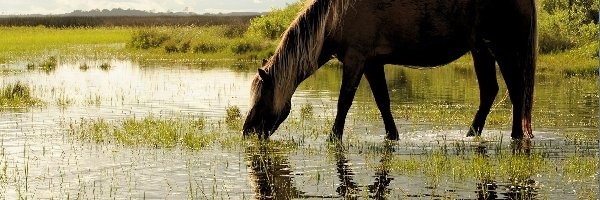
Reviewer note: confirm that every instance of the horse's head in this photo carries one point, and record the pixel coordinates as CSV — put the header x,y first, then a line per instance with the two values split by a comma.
x,y
264,118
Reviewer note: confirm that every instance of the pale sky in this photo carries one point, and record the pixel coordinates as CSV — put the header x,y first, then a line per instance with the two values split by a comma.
x,y
16,7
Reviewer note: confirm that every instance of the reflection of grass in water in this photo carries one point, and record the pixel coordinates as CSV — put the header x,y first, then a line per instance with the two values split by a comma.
x,y
150,131
18,95
524,176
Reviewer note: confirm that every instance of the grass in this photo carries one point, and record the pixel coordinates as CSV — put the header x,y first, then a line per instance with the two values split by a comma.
x,y
30,42
233,117
149,132
105,66
306,111
184,44
17,95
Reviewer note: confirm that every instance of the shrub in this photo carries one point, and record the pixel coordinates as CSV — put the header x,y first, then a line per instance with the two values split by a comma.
x,y
272,25
206,47
234,31
566,24
247,45
147,38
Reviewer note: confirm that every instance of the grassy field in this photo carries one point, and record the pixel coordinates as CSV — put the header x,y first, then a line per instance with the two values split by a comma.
x,y
34,43
129,21
189,44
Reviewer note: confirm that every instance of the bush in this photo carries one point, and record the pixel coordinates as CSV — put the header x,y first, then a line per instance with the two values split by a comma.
x,y
272,25
234,31
243,46
147,38
566,24
206,47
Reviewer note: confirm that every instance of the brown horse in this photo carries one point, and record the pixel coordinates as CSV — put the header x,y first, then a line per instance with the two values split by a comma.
x,y
366,34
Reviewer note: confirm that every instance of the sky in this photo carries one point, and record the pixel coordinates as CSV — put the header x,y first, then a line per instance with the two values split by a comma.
x,y
19,7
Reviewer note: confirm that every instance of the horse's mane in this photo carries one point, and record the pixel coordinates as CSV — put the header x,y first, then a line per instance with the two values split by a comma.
x,y
298,52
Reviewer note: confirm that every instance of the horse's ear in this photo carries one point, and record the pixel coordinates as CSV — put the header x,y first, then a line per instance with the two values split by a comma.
x,y
264,62
264,76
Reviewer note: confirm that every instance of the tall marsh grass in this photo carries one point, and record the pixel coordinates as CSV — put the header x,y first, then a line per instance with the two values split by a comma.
x,y
221,40
148,132
17,95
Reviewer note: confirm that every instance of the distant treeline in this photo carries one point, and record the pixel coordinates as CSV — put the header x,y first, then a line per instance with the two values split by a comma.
x,y
101,21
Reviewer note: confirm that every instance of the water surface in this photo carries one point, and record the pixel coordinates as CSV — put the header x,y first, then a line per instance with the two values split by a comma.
x,y
432,110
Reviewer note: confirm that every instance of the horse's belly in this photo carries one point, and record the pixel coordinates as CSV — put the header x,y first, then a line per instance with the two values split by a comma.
x,y
422,56
412,32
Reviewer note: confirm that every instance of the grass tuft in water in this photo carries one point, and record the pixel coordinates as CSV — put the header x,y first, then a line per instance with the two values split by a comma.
x,y
105,66
84,67
150,131
17,95
49,64
233,118
306,111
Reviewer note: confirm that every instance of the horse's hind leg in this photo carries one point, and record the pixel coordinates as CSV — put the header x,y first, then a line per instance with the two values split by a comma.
x,y
376,77
485,69
511,66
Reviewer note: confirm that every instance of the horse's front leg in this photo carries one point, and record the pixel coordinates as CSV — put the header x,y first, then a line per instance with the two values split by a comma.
x,y
376,77
485,68
353,71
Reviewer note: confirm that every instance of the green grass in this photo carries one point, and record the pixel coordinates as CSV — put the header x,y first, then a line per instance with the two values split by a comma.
x,y
105,66
17,95
233,117
18,43
148,132
188,44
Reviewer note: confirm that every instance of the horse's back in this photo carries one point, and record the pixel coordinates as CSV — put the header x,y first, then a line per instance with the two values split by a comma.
x,y
412,32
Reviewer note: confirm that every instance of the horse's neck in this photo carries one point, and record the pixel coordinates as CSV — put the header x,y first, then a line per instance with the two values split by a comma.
x,y
303,49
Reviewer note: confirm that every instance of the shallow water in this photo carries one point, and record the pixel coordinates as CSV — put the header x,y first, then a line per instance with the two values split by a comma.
x,y
432,110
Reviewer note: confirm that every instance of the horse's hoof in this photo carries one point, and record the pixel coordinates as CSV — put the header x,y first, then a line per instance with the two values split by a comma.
x,y
333,138
521,145
392,137
470,134
473,133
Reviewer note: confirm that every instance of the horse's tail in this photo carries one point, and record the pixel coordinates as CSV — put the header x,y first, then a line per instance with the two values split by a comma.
x,y
529,70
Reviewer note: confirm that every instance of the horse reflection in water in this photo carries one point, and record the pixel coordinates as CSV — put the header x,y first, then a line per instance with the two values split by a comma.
x,y
272,178
348,189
